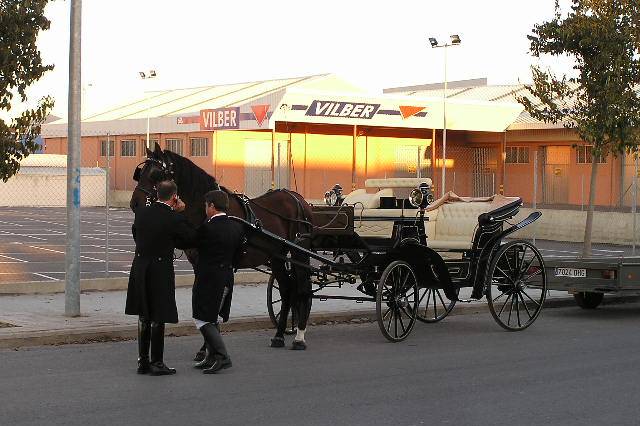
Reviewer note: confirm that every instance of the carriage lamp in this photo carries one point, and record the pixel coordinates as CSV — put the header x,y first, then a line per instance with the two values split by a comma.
x,y
421,196
334,197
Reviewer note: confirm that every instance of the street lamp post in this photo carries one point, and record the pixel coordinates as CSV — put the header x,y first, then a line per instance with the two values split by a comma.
x,y
146,76
455,41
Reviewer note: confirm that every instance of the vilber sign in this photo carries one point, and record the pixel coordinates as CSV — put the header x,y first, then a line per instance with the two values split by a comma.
x,y
342,109
220,119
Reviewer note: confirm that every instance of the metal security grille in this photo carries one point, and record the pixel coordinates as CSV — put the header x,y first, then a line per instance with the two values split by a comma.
x,y
484,167
128,148
198,147
409,162
103,148
173,145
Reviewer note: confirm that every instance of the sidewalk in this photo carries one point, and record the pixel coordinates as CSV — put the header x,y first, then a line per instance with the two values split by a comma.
x,y
38,319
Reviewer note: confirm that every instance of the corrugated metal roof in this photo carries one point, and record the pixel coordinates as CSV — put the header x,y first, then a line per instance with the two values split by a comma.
x,y
178,101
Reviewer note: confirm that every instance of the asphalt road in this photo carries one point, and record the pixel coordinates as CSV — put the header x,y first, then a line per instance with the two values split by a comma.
x,y
573,367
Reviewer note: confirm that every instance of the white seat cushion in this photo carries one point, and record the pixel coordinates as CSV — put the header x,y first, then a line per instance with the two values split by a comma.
x,y
360,198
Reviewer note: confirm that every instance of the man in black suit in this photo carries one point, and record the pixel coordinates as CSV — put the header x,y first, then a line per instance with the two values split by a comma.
x,y
157,230
219,238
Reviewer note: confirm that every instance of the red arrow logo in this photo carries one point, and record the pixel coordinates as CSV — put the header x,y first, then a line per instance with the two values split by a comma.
x,y
409,111
260,112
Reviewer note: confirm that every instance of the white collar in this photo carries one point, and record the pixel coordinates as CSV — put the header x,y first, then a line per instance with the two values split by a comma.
x,y
162,202
216,215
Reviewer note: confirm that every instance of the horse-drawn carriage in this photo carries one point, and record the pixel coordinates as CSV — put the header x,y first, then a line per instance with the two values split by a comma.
x,y
413,266
404,276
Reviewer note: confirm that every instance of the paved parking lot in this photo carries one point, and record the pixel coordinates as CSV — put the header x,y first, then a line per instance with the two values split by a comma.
x,y
32,244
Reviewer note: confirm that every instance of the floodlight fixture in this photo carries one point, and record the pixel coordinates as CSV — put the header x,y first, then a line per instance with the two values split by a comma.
x,y
433,41
455,39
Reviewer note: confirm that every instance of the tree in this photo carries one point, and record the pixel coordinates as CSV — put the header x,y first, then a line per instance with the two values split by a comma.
x,y
601,103
20,66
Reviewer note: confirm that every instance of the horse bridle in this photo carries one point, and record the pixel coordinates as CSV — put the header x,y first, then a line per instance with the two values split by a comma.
x,y
151,194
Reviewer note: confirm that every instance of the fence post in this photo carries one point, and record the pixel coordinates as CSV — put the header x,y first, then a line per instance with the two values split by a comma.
x,y
418,173
535,190
106,213
279,183
634,203
581,192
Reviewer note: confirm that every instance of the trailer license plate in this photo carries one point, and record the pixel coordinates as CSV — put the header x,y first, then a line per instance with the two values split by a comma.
x,y
571,272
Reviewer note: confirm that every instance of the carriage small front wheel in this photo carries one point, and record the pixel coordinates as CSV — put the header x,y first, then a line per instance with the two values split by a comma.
x,y
433,305
274,306
517,285
397,301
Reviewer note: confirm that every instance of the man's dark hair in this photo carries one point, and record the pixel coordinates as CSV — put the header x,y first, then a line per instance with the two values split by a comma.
x,y
219,199
166,189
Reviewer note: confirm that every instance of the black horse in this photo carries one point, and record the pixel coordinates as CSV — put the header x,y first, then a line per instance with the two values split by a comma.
x,y
283,212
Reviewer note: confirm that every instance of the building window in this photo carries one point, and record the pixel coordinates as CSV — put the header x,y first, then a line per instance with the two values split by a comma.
x,y
584,155
128,148
517,155
173,145
199,147
103,148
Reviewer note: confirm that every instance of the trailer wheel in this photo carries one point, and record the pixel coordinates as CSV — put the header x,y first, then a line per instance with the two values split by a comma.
x,y
397,301
517,285
274,306
588,299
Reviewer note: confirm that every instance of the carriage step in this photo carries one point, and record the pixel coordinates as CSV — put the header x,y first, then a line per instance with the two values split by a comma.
x,y
467,300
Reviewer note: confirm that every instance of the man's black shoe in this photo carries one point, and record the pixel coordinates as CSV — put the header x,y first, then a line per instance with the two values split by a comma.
x,y
218,365
160,369
143,365
201,354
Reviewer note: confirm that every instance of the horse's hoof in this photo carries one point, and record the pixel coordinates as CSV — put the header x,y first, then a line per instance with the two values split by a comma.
x,y
277,342
298,345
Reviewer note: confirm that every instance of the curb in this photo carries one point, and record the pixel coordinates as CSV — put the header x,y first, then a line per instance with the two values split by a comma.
x,y
112,284
186,328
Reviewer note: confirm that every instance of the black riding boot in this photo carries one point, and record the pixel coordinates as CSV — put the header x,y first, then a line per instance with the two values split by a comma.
x,y
201,354
144,340
157,366
217,356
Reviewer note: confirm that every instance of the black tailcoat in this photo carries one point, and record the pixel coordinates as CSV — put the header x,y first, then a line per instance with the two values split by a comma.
x,y
157,230
218,241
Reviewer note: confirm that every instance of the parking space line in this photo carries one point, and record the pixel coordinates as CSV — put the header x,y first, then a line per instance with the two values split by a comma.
x,y
12,258
45,276
61,252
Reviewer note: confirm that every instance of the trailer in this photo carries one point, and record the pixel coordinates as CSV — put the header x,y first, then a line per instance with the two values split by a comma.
x,y
589,279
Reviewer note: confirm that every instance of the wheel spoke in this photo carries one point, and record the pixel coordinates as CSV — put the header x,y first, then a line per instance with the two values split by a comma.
x,y
395,323
510,311
276,301
498,297
535,274
505,304
529,297
505,274
444,305
423,295
525,305
426,306
390,319
518,309
386,313
526,268
404,330
435,307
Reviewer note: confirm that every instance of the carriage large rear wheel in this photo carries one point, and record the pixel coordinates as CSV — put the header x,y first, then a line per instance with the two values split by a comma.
x,y
433,305
397,301
274,306
518,285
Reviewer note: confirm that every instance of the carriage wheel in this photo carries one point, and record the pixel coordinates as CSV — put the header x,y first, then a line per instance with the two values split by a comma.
x,y
397,301
274,306
518,285
433,305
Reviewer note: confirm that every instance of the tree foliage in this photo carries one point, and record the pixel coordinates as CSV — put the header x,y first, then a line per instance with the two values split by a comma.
x,y
20,66
601,101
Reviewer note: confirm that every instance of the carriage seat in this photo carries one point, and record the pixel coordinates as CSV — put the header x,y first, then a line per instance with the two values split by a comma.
x,y
452,220
360,198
